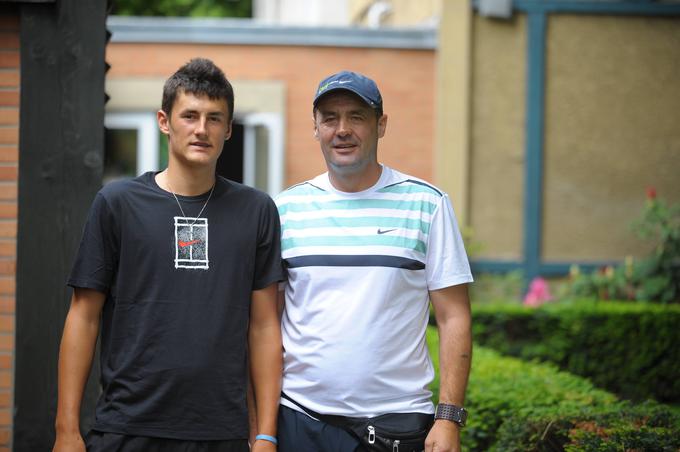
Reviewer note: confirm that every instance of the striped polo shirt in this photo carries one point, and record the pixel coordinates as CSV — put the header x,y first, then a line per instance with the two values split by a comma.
x,y
360,266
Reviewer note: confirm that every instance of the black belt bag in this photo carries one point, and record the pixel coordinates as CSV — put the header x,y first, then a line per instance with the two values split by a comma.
x,y
392,432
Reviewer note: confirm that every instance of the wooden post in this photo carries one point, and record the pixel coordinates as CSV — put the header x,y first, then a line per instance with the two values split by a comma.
x,y
61,148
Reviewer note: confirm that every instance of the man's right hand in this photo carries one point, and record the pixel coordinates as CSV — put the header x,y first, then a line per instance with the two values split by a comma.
x,y
69,443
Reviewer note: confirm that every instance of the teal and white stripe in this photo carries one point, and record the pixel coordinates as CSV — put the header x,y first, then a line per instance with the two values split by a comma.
x,y
395,218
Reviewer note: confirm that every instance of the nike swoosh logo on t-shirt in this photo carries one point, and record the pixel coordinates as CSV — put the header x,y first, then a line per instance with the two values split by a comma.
x,y
385,231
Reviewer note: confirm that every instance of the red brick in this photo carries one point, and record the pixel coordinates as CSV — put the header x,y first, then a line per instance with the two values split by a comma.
x,y
8,248
9,98
6,326
5,360
9,58
9,41
7,305
5,419
5,401
8,267
8,173
7,285
9,78
9,116
9,134
8,209
8,228
5,379
8,191
5,434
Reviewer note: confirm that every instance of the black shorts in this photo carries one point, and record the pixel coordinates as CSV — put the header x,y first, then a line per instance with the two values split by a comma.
x,y
113,442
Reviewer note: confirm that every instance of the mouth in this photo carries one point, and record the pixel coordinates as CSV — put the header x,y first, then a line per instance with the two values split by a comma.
x,y
200,144
344,147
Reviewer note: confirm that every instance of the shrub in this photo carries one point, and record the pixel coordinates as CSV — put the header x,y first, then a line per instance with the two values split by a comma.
x,y
630,349
521,406
653,278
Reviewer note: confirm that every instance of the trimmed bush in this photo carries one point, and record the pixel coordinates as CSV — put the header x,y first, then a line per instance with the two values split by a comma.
x,y
521,406
628,348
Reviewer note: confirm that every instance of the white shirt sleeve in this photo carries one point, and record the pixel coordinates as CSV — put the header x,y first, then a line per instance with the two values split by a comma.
x,y
446,262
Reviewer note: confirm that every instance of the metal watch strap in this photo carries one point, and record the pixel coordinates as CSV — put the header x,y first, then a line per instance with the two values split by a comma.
x,y
451,413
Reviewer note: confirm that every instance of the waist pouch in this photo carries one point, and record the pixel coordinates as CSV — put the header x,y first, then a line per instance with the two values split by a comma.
x,y
391,432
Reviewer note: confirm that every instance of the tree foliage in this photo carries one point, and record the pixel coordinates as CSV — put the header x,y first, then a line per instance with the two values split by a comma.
x,y
183,8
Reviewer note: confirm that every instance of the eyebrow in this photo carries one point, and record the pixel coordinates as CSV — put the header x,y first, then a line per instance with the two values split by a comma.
x,y
359,111
210,113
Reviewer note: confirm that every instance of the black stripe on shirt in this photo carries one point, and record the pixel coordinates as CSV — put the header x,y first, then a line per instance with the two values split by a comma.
x,y
354,261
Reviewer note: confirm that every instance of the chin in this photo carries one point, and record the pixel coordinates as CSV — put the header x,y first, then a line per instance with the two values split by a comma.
x,y
347,167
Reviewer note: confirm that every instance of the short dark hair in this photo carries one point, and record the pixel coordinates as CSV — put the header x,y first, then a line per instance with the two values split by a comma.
x,y
199,76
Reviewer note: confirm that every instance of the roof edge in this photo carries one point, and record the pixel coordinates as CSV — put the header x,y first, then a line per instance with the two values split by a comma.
x,y
131,29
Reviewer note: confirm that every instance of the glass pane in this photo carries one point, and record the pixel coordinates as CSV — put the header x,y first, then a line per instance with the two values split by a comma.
x,y
120,154
262,158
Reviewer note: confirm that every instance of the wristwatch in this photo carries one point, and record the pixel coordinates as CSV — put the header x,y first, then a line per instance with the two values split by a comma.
x,y
453,413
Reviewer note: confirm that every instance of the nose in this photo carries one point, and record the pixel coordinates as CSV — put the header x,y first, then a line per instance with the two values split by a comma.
x,y
200,129
344,128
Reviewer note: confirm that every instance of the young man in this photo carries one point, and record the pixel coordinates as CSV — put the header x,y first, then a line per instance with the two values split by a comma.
x,y
182,267
366,247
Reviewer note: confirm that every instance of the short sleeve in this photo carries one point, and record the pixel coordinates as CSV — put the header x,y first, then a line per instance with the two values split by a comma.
x,y
97,258
268,263
446,262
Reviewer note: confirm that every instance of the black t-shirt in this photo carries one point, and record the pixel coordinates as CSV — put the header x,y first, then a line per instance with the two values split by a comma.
x,y
175,321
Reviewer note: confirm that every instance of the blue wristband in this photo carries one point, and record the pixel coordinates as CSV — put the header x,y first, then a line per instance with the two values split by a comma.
x,y
271,439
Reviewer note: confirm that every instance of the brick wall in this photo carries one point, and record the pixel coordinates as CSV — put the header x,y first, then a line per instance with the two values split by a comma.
x,y
406,79
9,160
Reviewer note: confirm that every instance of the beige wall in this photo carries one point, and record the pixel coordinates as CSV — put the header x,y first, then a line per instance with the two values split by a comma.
x,y
452,142
497,136
404,12
612,129
405,77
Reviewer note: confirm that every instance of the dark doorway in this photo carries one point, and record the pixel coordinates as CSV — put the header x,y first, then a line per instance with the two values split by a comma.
x,y
230,163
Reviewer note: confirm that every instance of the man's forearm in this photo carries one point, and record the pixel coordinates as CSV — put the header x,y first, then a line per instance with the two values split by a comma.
x,y
265,368
266,357
455,354
452,311
75,360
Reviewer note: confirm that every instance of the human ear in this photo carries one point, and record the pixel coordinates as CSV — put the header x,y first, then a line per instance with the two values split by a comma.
x,y
163,122
382,126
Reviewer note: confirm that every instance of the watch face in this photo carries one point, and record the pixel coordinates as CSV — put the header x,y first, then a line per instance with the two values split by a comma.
x,y
463,417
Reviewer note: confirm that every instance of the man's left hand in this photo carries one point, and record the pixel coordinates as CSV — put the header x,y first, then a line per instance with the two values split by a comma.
x,y
443,437
262,445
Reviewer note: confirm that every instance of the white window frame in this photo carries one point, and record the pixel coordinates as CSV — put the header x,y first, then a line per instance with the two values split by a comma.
x,y
146,126
275,151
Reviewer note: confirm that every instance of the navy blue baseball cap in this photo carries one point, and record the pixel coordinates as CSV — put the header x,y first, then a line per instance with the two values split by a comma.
x,y
359,84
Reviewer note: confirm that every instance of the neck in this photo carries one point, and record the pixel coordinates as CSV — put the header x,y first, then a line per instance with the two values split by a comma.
x,y
355,182
186,182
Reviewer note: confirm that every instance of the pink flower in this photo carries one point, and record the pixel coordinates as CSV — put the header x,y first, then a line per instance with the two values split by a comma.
x,y
651,193
538,293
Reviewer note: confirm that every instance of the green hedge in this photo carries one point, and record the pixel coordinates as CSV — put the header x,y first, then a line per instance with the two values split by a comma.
x,y
631,349
519,406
